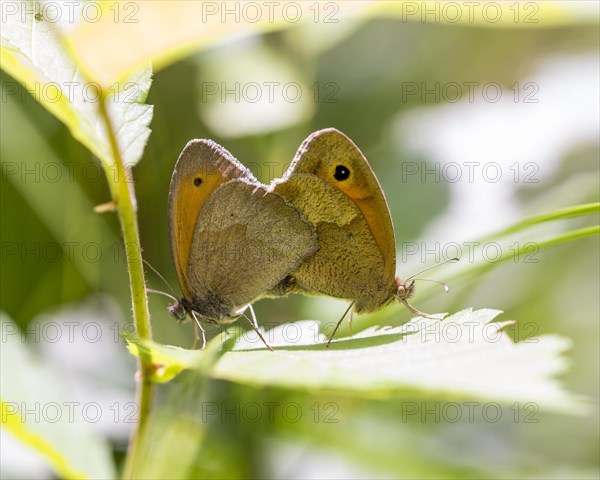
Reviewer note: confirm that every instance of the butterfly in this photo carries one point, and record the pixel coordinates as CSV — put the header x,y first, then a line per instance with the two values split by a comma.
x,y
331,182
324,228
232,239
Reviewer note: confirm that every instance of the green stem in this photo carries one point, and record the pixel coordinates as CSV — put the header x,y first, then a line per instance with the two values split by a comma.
x,y
567,212
457,271
124,198
525,248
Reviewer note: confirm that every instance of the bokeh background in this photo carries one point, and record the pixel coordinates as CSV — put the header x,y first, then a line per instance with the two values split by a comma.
x,y
429,103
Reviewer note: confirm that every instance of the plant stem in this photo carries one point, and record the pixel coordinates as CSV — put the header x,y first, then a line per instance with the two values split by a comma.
x,y
525,249
122,189
459,270
567,212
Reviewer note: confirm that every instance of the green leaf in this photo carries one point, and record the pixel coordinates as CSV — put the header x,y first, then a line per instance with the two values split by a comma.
x,y
168,360
35,411
166,32
34,53
24,149
465,356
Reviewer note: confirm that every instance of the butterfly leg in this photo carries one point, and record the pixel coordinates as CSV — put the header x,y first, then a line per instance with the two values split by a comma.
x,y
350,308
254,324
417,312
253,314
198,327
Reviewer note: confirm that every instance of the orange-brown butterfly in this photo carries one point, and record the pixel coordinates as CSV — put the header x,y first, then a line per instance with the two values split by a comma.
x,y
324,228
232,240
334,187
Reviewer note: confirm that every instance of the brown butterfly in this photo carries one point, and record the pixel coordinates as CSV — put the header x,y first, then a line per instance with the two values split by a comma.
x,y
324,228
331,183
232,240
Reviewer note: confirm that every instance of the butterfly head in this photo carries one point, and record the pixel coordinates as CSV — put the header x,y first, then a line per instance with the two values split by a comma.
x,y
209,310
404,289
178,310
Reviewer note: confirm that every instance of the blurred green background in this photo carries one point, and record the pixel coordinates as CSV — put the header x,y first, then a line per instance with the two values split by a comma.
x,y
358,75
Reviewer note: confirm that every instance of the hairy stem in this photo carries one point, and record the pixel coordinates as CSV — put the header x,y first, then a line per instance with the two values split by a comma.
x,y
124,199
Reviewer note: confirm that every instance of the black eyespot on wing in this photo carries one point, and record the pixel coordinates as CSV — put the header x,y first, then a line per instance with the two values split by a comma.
x,y
341,173
197,181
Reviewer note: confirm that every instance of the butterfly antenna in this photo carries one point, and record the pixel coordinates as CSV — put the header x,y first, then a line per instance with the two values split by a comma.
x,y
446,287
159,276
406,288
151,290
452,260
254,325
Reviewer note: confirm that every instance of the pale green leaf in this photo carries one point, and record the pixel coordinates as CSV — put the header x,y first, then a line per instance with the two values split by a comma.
x,y
35,411
165,31
466,355
34,53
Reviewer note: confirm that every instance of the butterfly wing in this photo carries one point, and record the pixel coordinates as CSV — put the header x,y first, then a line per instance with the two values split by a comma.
x,y
331,182
246,241
201,168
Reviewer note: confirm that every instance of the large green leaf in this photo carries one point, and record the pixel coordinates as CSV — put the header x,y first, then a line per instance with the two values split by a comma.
x,y
35,410
467,355
33,52
164,31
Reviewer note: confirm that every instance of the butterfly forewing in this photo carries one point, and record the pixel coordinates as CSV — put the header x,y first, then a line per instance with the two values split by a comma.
x,y
201,168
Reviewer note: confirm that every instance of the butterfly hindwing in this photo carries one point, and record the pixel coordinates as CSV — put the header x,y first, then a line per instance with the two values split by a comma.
x,y
246,241
332,184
